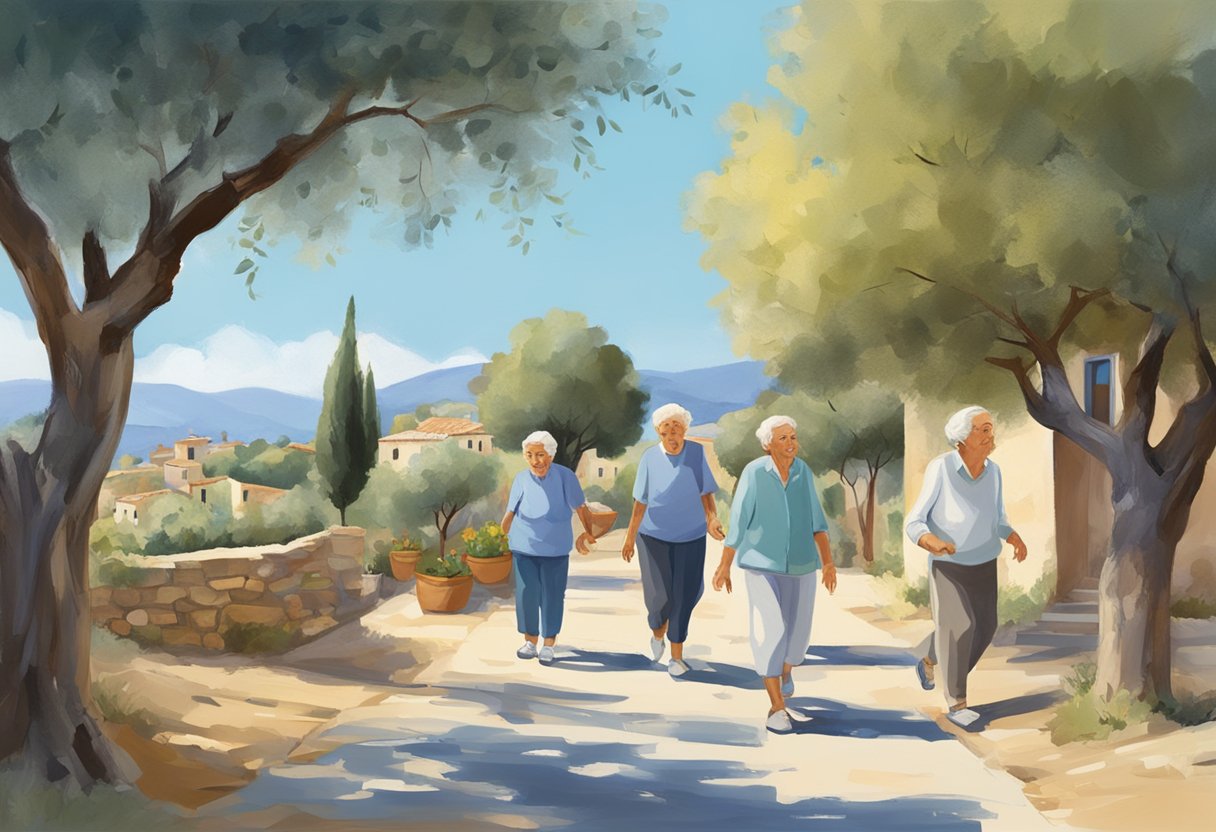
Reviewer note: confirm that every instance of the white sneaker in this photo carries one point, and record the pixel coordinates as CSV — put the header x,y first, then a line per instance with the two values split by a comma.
x,y
546,654
963,717
787,687
657,647
677,667
527,651
779,722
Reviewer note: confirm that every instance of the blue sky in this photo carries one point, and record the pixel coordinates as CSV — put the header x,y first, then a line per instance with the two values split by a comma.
x,y
636,272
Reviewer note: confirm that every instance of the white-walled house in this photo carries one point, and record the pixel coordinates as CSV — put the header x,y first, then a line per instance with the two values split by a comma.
x,y
466,433
595,470
180,474
126,509
398,449
236,494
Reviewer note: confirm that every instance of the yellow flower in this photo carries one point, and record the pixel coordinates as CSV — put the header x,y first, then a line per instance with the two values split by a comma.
x,y
493,529
468,534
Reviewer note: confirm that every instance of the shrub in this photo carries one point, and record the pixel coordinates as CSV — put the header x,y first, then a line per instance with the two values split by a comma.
x,y
917,594
1189,709
1086,716
116,573
1015,605
258,638
889,561
1193,607
378,564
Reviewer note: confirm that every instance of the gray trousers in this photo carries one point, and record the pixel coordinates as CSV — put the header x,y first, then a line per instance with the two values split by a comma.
x,y
963,599
781,608
673,580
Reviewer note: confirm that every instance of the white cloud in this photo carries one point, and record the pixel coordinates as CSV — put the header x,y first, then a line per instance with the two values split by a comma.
x,y
234,357
22,350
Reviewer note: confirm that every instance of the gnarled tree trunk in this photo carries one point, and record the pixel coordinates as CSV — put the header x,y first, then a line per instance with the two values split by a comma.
x,y
48,498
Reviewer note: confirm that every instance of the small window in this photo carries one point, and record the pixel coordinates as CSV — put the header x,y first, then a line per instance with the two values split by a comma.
x,y
601,473
615,470
185,474
1099,390
245,496
479,445
135,514
470,444
396,453
203,495
189,453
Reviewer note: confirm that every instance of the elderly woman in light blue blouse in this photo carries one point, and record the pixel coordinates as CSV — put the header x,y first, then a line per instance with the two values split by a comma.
x,y
779,531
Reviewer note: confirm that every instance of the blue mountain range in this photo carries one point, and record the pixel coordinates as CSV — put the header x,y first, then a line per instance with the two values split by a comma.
x,y
161,413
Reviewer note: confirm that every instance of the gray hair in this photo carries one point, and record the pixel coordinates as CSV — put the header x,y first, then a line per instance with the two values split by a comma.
x,y
542,438
959,426
765,432
671,411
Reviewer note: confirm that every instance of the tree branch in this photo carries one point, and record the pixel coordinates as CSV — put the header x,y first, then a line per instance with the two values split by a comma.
x,y
96,270
1140,390
26,238
1078,299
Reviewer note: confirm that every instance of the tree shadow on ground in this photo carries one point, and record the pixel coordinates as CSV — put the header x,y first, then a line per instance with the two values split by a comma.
x,y
461,774
599,661
829,718
598,582
726,675
1014,706
859,656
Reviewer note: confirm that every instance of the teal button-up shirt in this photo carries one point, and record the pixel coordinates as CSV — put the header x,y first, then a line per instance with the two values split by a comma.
x,y
773,524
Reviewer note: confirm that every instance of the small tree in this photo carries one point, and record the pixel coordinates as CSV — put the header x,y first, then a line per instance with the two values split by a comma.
x,y
440,482
562,376
342,456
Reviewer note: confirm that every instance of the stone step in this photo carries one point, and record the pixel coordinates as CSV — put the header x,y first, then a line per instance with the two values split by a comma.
x,y
1077,627
1074,607
1054,616
1089,596
1045,638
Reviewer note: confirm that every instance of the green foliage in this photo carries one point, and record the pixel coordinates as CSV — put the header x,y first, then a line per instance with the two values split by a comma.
x,y
1193,607
25,431
1189,709
29,801
258,638
343,459
405,542
1086,716
403,422
127,461
262,463
371,420
562,376
448,566
490,541
1015,605
917,594
619,495
887,561
378,563
116,573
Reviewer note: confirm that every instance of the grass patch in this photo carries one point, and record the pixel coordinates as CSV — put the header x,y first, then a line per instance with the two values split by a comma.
x,y
115,573
1086,716
27,801
1192,607
258,638
115,704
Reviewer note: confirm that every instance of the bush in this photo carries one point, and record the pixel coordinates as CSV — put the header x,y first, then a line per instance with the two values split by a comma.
x,y
1192,607
917,594
1015,605
257,638
1189,709
116,573
889,561
1086,716
378,564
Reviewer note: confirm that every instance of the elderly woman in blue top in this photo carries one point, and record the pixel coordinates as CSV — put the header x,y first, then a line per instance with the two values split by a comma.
x,y
780,533
959,519
673,509
538,530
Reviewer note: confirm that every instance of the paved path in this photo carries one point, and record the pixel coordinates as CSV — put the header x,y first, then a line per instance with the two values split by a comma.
x,y
604,739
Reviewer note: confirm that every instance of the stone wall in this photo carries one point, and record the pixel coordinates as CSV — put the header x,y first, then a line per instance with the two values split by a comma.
x,y
304,588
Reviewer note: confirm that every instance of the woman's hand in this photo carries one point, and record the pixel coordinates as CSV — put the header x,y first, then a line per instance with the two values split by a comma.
x,y
722,577
715,528
829,577
627,549
584,543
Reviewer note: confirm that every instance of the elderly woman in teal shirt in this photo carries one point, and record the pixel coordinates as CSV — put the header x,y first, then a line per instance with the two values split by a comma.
x,y
780,534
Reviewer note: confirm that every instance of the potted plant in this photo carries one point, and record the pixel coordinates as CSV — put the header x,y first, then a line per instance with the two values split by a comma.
x,y
403,556
444,586
487,554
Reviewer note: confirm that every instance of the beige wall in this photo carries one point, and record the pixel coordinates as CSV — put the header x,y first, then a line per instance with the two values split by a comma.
x,y
1024,454
483,443
406,450
179,475
590,465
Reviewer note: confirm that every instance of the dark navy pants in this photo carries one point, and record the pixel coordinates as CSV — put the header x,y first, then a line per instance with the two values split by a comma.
x,y
673,579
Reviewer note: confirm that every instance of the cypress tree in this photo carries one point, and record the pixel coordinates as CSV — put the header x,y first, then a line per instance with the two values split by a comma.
x,y
341,429
371,420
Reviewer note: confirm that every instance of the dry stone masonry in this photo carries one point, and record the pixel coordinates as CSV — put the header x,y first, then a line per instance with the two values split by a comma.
x,y
304,588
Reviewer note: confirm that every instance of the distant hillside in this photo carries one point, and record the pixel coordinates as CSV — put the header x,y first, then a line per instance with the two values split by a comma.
x,y
160,413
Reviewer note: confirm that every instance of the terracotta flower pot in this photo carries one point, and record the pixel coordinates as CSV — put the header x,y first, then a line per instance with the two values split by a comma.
x,y
490,570
403,563
443,594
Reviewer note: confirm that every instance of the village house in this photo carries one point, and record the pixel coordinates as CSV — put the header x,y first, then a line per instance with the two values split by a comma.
x,y
126,509
237,495
302,447
179,474
594,470
466,433
193,448
160,455
398,449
